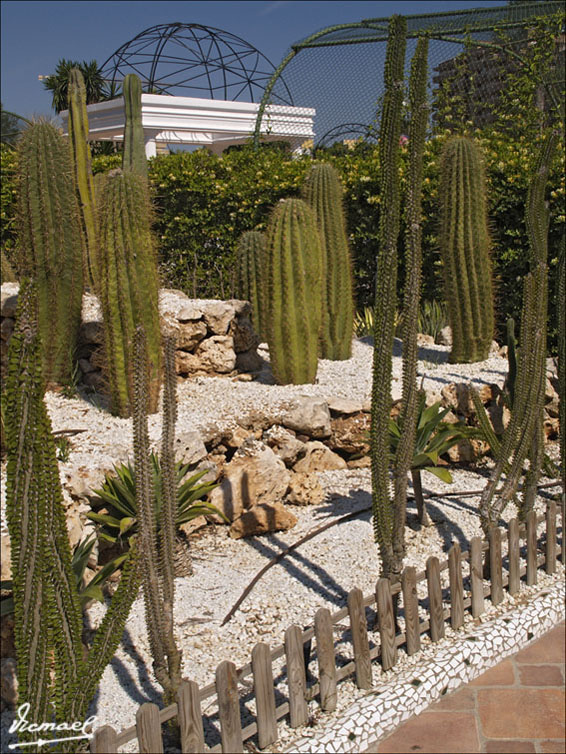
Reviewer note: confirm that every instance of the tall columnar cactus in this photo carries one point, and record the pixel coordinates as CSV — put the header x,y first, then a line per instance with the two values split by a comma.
x,y
251,276
295,280
385,298
562,364
522,437
134,159
129,284
52,242
80,160
465,250
323,192
53,673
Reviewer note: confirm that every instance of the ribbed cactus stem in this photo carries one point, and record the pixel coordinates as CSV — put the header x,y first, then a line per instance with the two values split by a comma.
x,y
80,160
385,296
465,250
134,159
129,285
562,363
324,194
295,267
251,255
51,240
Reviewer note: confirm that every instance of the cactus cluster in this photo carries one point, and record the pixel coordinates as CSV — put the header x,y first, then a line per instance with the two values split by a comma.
x,y
465,250
251,255
52,242
294,312
323,193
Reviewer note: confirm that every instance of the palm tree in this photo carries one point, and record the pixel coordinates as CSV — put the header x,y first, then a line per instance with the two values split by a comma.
x,y
58,83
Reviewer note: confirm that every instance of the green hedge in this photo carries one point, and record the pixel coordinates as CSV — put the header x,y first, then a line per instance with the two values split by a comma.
x,y
205,202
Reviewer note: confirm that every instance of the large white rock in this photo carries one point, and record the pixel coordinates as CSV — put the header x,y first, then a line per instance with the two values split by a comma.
x,y
308,416
216,354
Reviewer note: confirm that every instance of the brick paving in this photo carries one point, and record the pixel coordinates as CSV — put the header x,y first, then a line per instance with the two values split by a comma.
x,y
516,706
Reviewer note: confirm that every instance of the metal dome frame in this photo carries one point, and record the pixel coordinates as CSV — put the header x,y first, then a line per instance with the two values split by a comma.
x,y
239,71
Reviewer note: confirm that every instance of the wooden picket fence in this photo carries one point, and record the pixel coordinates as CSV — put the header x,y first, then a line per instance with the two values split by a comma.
x,y
503,572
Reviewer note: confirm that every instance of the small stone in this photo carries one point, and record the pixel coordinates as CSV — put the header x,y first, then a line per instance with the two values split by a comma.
x,y
216,354
318,457
6,557
309,416
8,681
262,519
444,337
305,489
344,407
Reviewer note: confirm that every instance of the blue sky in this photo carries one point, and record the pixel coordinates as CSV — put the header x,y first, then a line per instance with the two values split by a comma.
x,y
35,35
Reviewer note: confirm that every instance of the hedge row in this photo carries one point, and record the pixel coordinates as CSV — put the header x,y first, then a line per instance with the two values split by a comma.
x,y
205,202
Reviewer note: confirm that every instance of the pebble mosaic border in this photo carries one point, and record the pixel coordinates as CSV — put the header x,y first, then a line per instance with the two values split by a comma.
x,y
372,717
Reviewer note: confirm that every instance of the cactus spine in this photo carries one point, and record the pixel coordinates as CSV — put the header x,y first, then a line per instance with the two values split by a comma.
x,y
464,247
251,276
52,672
522,437
129,284
52,243
134,159
323,192
80,160
385,297
295,281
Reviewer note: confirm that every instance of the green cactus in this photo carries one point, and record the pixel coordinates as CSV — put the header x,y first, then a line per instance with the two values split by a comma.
x,y
129,284
465,250
7,274
251,256
51,240
80,160
295,281
323,192
134,159
562,364
385,297
53,673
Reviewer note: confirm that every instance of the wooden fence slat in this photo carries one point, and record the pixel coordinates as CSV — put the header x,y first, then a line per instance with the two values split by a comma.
x,y
358,624
513,552
456,586
550,564
476,576
104,741
495,566
229,708
264,694
531,548
326,659
411,609
563,521
148,728
386,618
296,676
190,718
435,598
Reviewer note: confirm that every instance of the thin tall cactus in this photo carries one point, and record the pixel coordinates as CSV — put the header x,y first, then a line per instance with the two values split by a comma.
x,y
134,159
385,296
129,284
295,280
323,192
465,250
522,437
562,363
54,677
80,160
52,242
251,256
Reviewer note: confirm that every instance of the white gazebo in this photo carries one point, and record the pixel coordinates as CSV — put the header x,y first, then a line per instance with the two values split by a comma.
x,y
215,124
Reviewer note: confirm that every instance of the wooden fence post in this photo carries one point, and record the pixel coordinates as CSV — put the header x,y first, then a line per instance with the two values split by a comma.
x,y
514,563
190,718
326,659
264,694
104,741
296,676
229,708
476,576
148,729
456,586
495,566
411,608
358,624
435,608
386,618
531,548
550,564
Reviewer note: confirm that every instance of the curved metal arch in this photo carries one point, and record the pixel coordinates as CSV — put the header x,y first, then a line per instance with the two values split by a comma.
x,y
347,128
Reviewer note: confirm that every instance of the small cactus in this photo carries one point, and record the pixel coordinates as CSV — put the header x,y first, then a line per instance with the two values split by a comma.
x,y
251,276
295,280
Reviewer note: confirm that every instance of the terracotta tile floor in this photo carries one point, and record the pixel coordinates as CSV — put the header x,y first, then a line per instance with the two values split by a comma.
x,y
516,706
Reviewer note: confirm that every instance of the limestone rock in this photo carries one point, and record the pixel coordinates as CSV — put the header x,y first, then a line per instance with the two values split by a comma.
x,y
424,340
186,363
457,396
190,312
284,443
9,299
319,458
262,519
8,682
444,337
189,447
305,489
462,452
350,433
6,557
217,315
551,427
190,526
499,416
216,354
344,407
189,335
309,416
